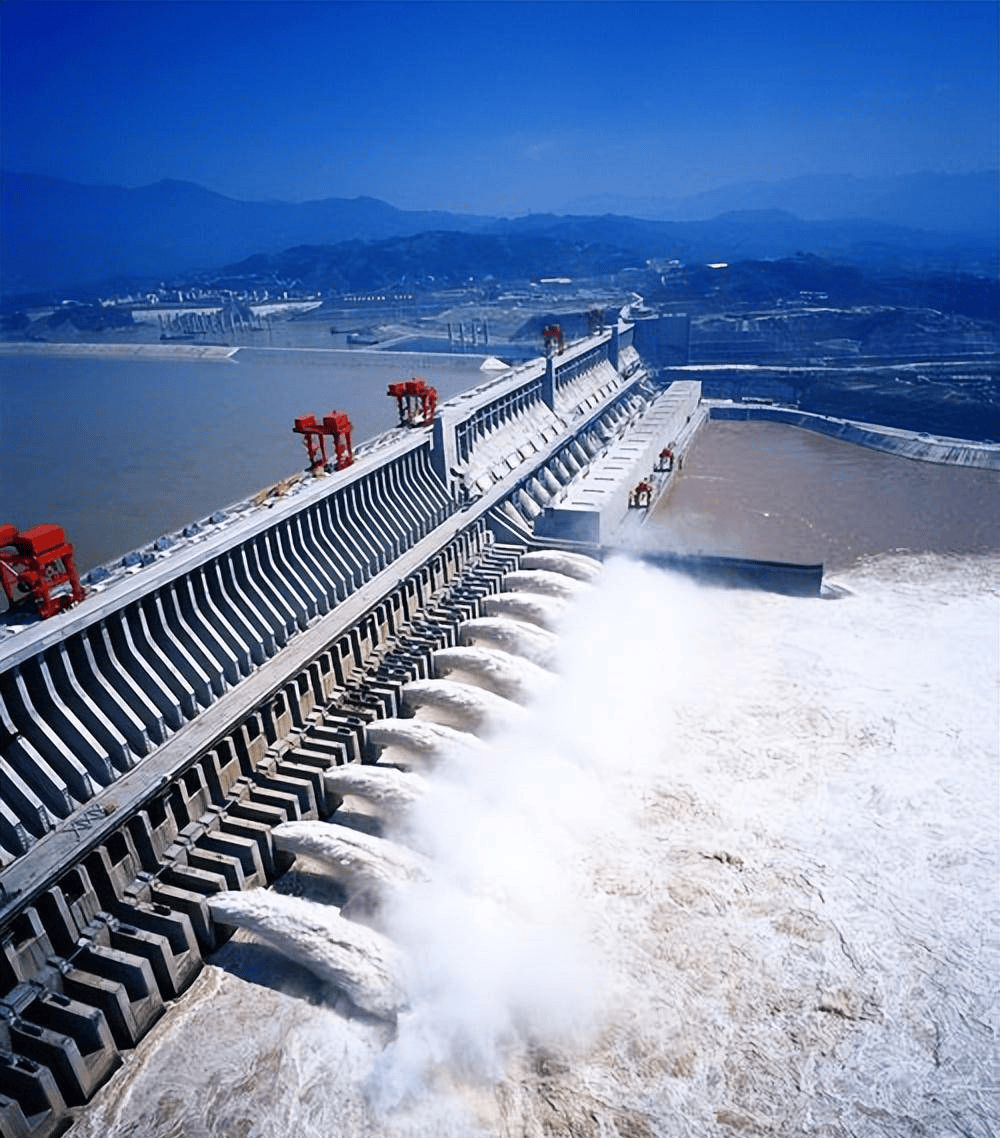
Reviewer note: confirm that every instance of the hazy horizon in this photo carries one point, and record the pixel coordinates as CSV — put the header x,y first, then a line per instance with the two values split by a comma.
x,y
494,108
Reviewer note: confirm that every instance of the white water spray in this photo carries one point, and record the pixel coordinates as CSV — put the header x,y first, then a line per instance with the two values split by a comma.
x,y
545,583
418,741
388,791
462,706
532,608
355,860
513,636
497,672
570,564
357,961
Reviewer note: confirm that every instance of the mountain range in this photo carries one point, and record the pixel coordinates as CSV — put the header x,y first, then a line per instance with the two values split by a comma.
x,y
56,234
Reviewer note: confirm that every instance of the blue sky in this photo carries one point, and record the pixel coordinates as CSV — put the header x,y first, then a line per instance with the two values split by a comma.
x,y
493,108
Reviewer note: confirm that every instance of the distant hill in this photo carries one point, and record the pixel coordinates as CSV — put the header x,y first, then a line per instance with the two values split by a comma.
x,y
430,260
948,203
56,234
59,235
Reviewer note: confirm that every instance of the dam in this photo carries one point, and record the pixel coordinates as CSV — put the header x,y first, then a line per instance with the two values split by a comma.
x,y
154,735
175,742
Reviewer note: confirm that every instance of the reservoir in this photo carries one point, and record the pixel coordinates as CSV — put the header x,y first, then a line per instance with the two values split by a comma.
x,y
119,450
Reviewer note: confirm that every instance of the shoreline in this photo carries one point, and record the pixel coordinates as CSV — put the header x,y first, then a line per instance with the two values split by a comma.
x,y
152,351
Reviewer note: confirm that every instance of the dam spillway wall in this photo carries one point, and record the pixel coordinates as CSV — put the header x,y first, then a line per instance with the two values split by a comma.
x,y
917,445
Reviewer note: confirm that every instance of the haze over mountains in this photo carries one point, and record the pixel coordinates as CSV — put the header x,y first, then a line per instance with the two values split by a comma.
x,y
58,234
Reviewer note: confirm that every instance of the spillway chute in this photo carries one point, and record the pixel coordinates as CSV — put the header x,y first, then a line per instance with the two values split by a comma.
x,y
388,791
359,962
545,583
512,636
558,561
355,860
419,741
499,672
532,608
462,706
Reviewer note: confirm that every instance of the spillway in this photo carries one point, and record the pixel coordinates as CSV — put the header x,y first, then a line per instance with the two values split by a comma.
x,y
497,672
355,960
355,860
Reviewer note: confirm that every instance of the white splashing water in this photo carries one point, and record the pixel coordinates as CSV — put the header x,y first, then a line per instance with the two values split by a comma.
x,y
765,825
355,860
419,741
357,961
388,791
462,706
533,608
544,582
497,672
575,565
513,636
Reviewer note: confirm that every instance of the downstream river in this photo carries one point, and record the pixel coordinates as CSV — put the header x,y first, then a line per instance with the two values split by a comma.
x,y
764,490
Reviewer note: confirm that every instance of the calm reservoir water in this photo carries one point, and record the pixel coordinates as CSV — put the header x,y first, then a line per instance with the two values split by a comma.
x,y
121,450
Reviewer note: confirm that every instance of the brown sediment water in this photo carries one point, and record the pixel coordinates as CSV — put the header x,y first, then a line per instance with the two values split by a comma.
x,y
778,493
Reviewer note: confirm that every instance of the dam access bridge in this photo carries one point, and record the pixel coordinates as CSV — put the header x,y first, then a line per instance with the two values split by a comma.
x,y
152,736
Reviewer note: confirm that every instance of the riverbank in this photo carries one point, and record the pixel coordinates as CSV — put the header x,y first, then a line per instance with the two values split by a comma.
x,y
120,351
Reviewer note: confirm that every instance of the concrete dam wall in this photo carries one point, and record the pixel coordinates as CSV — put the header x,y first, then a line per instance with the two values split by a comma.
x,y
152,737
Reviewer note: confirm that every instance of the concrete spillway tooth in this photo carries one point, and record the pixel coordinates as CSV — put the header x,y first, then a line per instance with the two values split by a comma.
x,y
498,672
545,583
512,636
356,960
418,740
546,612
571,564
355,860
389,791
463,706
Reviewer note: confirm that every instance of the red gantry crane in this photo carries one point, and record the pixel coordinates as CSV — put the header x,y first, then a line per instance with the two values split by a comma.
x,y
338,426
555,342
36,567
416,402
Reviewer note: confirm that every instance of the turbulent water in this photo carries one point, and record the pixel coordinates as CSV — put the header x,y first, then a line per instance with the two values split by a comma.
x,y
736,875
